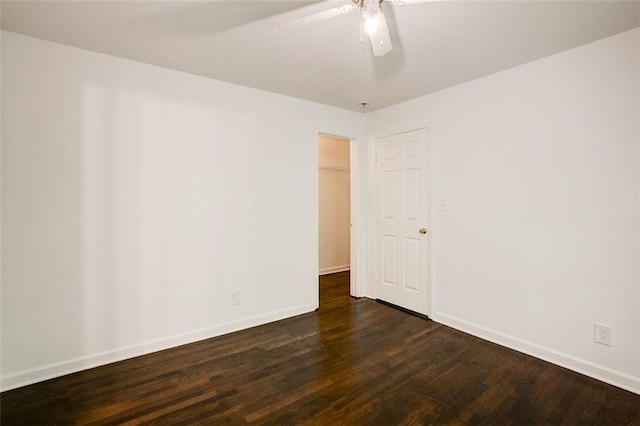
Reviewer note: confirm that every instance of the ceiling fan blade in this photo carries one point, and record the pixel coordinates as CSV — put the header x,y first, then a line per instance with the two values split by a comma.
x,y
318,16
381,40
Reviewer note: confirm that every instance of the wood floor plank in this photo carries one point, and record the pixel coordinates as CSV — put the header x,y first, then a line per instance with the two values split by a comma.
x,y
354,361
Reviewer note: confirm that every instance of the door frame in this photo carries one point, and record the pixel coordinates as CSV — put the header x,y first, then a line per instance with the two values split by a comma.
x,y
431,217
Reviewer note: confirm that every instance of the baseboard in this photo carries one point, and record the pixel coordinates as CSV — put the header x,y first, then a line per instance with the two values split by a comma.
x,y
334,269
612,377
39,374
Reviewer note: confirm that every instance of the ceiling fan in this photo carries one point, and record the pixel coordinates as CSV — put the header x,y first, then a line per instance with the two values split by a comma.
x,y
373,21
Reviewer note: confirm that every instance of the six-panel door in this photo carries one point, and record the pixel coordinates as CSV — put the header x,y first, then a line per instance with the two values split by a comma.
x,y
401,220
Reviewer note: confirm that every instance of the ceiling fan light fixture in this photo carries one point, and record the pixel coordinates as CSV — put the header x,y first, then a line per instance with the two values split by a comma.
x,y
372,25
372,16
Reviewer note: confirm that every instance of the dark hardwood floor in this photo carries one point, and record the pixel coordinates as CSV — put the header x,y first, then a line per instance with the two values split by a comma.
x,y
352,362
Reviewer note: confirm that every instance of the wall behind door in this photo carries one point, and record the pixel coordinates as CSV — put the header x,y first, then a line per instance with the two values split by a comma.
x,y
333,206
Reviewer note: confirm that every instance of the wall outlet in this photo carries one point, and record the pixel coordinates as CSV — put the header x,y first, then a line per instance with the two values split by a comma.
x,y
602,334
235,298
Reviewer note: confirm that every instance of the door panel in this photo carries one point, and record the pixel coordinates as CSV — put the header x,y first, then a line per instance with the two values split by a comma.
x,y
390,266
401,211
389,194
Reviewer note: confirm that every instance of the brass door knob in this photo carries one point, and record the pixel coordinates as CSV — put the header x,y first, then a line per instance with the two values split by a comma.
x,y
423,230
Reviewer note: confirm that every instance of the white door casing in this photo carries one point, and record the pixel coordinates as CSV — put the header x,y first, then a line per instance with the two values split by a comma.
x,y
402,238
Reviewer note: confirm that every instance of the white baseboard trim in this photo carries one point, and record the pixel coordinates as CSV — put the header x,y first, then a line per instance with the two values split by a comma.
x,y
334,269
604,374
39,374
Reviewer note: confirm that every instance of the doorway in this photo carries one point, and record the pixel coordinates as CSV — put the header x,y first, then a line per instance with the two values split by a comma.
x,y
334,206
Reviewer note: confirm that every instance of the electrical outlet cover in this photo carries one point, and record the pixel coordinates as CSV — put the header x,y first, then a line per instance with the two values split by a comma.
x,y
235,298
602,334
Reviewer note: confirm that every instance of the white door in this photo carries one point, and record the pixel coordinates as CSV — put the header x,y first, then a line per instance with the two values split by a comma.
x,y
401,220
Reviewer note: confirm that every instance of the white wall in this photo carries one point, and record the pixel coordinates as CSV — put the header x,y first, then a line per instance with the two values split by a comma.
x,y
334,205
540,167
135,199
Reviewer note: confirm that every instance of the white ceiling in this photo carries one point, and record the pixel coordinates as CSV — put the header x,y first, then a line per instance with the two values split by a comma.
x,y
436,45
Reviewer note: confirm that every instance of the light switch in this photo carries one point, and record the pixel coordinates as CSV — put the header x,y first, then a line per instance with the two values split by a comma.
x,y
444,205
